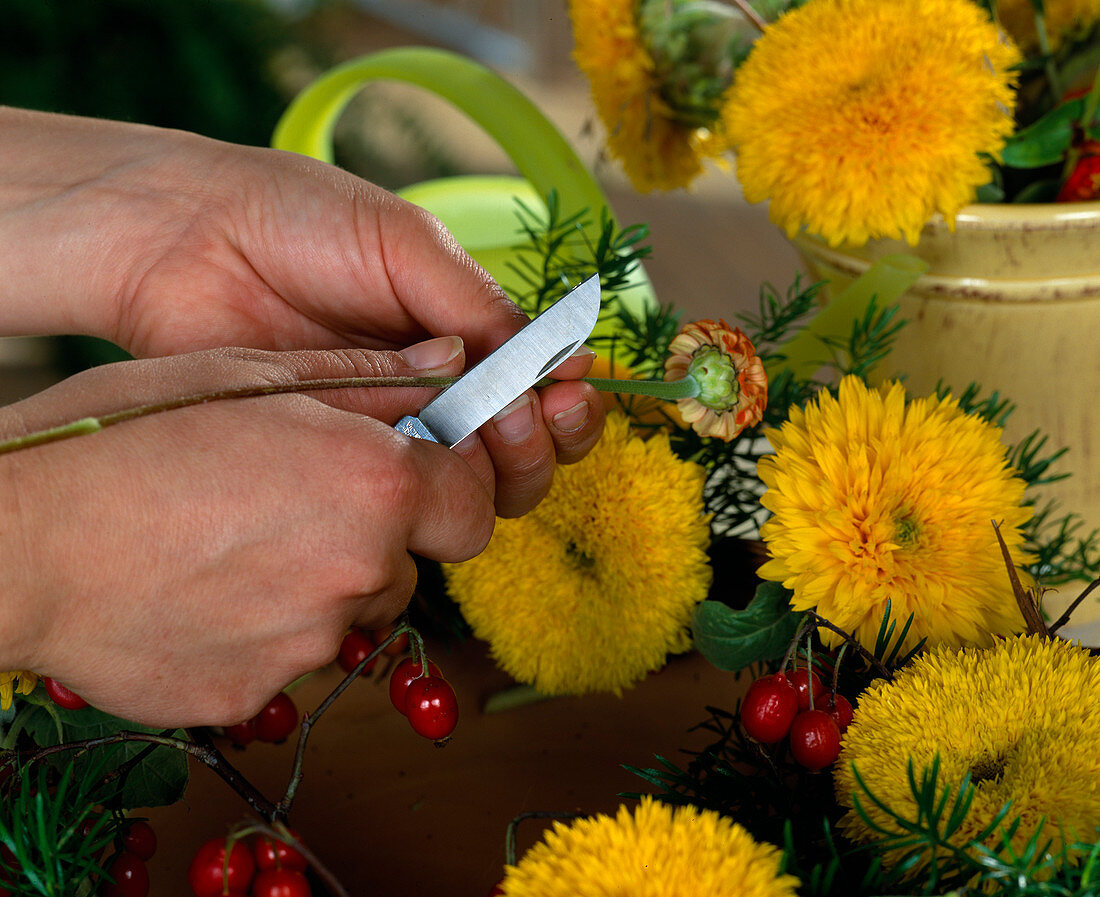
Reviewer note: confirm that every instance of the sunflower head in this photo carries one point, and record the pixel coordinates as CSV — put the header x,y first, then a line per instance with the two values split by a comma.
x,y
659,72
1020,718
859,119
877,500
654,851
733,387
595,587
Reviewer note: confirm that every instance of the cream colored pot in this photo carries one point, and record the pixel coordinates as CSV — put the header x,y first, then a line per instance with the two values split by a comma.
x,y
1011,300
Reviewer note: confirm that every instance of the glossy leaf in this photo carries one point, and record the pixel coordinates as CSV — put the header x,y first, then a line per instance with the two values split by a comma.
x,y
733,639
1046,141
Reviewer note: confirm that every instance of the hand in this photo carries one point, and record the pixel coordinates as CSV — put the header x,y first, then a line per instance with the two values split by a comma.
x,y
180,568
165,242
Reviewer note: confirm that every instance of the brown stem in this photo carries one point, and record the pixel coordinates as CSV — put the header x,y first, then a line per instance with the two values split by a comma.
x,y
92,424
1068,612
854,642
206,754
310,719
751,14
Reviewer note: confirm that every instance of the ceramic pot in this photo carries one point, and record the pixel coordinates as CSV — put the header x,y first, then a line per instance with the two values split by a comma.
x,y
1011,301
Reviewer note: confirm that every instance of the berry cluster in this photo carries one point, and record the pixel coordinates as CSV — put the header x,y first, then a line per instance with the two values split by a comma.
x,y
264,868
126,869
797,707
273,724
426,699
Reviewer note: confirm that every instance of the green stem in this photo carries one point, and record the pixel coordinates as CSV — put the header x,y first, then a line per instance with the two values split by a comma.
x,y
512,697
670,390
1054,79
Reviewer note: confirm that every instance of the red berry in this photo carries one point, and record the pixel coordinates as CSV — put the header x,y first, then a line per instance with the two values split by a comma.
x,y
431,706
769,708
63,697
354,649
278,719
281,883
403,674
839,708
815,739
1083,182
803,680
129,877
273,854
242,733
140,839
209,876
398,646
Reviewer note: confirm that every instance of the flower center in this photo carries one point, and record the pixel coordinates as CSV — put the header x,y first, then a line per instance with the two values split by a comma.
x,y
987,769
907,531
579,559
716,375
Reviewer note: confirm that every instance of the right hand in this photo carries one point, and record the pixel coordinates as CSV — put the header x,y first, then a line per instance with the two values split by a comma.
x,y
181,568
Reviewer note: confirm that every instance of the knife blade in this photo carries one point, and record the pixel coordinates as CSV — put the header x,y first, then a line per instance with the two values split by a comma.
x,y
510,370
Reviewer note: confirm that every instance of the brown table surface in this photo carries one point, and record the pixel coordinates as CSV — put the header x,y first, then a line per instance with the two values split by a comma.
x,y
393,815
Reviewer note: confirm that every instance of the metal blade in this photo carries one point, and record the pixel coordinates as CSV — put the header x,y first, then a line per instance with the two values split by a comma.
x,y
513,368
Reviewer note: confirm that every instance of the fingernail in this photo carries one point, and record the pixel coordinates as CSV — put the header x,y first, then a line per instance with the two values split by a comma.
x,y
572,419
515,422
432,355
583,352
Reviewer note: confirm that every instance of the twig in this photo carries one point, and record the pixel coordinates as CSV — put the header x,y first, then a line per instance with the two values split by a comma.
x,y
1068,612
751,14
854,642
309,720
280,832
206,754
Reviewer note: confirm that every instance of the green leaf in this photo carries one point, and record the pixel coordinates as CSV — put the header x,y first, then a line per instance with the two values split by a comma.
x,y
733,639
1046,141
157,780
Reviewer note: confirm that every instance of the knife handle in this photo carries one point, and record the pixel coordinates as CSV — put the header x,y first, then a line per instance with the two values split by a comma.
x,y
412,426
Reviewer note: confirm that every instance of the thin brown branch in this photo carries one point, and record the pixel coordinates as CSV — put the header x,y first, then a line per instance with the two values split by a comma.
x,y
751,14
1068,612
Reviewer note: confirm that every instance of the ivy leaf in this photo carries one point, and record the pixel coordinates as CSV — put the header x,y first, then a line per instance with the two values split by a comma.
x,y
157,780
733,639
1046,141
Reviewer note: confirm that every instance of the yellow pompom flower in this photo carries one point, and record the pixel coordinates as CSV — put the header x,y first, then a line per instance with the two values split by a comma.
x,y
860,119
656,851
595,587
1022,718
659,145
19,682
1064,20
876,499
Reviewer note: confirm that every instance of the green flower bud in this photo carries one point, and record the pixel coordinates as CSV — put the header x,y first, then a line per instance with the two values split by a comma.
x,y
713,370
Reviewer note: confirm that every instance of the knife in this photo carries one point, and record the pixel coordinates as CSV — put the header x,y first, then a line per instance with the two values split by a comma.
x,y
510,370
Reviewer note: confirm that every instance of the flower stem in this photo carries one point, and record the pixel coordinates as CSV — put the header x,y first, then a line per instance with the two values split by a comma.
x,y
95,424
670,390
751,14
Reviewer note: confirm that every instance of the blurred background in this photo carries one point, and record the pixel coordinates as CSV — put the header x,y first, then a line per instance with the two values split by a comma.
x,y
227,69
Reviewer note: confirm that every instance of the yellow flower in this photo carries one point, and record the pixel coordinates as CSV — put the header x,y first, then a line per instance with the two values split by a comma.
x,y
1065,20
19,682
733,385
658,851
861,119
659,147
874,499
1022,717
592,589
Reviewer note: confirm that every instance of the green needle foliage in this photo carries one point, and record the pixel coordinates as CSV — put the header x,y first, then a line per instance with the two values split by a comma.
x,y
54,831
